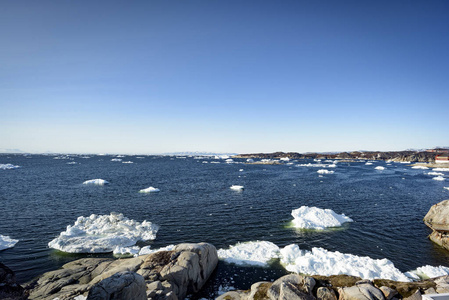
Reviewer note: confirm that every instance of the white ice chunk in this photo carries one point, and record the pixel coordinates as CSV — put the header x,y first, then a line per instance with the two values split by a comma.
x,y
420,167
324,171
126,251
96,182
147,249
257,253
250,160
379,168
428,271
332,166
150,190
320,261
440,178
284,159
441,169
237,187
116,159
8,167
127,162
317,218
229,160
446,187
312,165
7,242
102,233
435,173
369,163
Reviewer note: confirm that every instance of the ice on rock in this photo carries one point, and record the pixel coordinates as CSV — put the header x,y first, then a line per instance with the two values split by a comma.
x,y
150,190
320,261
379,168
316,218
440,178
427,271
237,187
147,249
257,253
96,182
8,167
324,171
7,242
102,234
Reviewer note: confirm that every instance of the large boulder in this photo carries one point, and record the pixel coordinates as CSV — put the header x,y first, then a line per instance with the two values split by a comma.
x,y
9,288
292,286
438,220
363,290
120,286
166,274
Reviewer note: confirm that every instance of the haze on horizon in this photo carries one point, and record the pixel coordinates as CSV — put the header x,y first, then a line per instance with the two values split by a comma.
x,y
223,76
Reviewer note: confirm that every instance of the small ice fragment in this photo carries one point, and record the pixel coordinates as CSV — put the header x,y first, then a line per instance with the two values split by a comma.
x,y
324,171
147,249
120,251
440,178
257,253
420,167
150,190
428,271
379,168
7,242
96,182
237,187
116,159
8,167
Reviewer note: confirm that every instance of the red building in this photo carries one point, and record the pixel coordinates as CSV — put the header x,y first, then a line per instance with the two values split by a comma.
x,y
442,159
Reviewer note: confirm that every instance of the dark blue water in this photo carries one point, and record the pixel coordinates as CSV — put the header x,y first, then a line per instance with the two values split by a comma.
x,y
195,204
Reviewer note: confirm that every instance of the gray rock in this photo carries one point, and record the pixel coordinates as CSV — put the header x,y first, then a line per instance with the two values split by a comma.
x,y
232,295
9,288
324,293
259,290
389,293
292,285
361,291
120,286
442,284
415,296
438,219
430,291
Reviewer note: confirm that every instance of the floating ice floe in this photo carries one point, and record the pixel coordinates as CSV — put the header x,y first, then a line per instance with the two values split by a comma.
x,y
435,174
147,249
284,159
446,187
441,169
229,161
237,187
127,162
440,178
368,163
324,171
102,234
150,190
241,170
116,159
428,271
250,160
316,218
257,253
312,165
72,163
332,166
96,182
8,167
320,261
7,242
379,168
420,167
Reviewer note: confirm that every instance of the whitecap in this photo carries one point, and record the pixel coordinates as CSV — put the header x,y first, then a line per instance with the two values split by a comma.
x,y
150,190
324,171
316,218
320,261
7,242
8,167
103,233
96,182
257,253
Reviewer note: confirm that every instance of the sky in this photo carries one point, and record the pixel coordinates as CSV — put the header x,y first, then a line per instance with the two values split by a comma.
x,y
223,76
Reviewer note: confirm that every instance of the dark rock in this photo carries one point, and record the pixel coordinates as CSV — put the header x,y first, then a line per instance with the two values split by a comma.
x,y
438,220
9,288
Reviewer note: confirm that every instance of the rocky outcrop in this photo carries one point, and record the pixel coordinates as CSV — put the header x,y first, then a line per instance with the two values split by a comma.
x,y
438,220
161,275
9,288
341,287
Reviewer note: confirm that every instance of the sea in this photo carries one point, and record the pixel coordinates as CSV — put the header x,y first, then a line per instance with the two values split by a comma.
x,y
45,194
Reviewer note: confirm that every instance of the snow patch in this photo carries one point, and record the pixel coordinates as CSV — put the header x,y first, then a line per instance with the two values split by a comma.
x,y
7,242
257,253
316,218
102,234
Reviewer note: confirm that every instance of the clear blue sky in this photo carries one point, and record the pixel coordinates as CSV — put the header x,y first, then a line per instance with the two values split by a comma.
x,y
223,76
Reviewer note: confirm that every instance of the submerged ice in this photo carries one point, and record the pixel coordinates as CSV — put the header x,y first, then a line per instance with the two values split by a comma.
x,y
316,218
7,242
102,234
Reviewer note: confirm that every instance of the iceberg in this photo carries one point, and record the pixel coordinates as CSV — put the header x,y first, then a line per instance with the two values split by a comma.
x,y
150,190
440,178
320,261
147,249
96,182
446,187
324,171
250,160
102,234
379,168
316,218
8,167
427,271
420,167
7,242
284,159
441,169
257,253
237,187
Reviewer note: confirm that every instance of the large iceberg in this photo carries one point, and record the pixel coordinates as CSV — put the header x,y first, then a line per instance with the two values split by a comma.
x,y
96,182
257,253
320,261
316,218
7,242
8,167
102,234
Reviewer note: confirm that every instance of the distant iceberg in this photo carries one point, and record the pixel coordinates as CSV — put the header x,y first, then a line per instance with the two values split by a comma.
x,y
257,253
420,167
96,182
8,167
324,171
127,162
7,242
368,163
320,261
316,218
150,190
237,187
102,234
379,168
250,160
116,159
435,174
440,178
